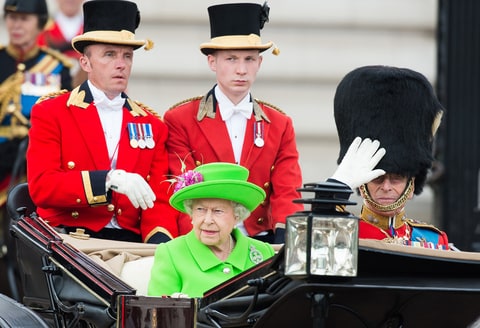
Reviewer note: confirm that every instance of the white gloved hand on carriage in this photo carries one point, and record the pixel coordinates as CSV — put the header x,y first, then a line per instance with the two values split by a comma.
x,y
358,164
133,186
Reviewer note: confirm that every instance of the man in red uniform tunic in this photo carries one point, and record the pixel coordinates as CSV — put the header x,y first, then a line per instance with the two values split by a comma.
x,y
228,124
97,160
398,107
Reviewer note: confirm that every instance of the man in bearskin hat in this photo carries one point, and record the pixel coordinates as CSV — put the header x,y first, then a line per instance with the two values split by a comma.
x,y
228,124
398,107
97,160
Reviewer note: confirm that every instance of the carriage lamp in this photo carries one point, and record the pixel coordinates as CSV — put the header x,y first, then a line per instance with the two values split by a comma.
x,y
324,240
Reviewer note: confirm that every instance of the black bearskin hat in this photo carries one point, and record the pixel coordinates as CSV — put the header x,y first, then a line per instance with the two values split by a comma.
x,y
398,107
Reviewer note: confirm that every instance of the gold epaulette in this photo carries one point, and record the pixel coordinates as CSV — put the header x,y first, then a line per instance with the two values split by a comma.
x,y
148,109
419,224
2,47
65,60
51,95
185,101
269,105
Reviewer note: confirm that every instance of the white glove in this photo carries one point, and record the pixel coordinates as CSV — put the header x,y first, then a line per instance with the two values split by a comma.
x,y
179,295
357,166
133,186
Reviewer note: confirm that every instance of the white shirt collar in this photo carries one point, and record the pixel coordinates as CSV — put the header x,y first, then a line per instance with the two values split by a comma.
x,y
228,109
102,102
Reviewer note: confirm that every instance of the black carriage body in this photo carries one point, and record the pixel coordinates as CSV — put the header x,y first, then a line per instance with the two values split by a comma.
x,y
61,282
396,286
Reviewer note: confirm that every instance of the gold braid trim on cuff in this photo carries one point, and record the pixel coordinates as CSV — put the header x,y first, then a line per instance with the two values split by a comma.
x,y
155,230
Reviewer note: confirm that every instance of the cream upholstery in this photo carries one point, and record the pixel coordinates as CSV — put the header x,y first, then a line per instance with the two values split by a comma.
x,y
137,274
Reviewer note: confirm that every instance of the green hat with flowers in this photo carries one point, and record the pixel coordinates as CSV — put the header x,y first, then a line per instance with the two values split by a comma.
x,y
217,180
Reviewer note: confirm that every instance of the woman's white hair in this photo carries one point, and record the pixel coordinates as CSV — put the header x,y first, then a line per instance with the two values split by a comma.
x,y
239,210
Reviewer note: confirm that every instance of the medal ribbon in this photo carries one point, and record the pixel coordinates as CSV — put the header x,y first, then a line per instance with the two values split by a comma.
x,y
131,131
148,131
258,133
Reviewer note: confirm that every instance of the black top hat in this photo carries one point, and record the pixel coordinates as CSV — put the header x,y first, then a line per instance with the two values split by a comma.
x,y
398,107
236,26
111,22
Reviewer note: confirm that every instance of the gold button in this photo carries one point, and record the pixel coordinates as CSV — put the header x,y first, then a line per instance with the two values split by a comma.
x,y
78,200
266,185
260,220
273,166
119,211
198,163
71,165
75,214
95,199
110,207
148,177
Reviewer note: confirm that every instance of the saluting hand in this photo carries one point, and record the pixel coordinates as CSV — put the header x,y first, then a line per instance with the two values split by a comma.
x,y
357,166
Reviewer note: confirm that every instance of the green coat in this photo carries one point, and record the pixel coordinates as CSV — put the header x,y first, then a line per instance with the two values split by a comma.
x,y
186,265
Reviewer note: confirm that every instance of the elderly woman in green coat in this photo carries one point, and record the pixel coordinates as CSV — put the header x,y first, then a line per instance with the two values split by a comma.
x,y
217,197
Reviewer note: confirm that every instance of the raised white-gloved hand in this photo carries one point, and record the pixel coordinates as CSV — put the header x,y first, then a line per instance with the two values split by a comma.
x,y
133,186
357,166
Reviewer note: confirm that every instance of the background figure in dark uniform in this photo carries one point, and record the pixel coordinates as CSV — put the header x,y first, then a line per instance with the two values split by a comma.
x,y
398,107
27,72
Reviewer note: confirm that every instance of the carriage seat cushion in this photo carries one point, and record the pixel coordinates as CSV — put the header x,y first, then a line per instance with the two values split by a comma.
x,y
137,274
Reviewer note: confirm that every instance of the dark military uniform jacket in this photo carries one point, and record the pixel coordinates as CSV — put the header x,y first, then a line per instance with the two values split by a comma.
x,y
23,79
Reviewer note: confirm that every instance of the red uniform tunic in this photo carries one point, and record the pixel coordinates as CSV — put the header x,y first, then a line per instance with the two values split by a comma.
x,y
67,163
52,36
197,135
401,230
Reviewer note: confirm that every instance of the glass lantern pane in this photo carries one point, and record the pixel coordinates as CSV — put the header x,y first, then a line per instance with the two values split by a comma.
x,y
296,246
346,247
334,246
323,232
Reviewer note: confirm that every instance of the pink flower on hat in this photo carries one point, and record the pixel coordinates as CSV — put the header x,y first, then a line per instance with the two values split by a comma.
x,y
187,179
